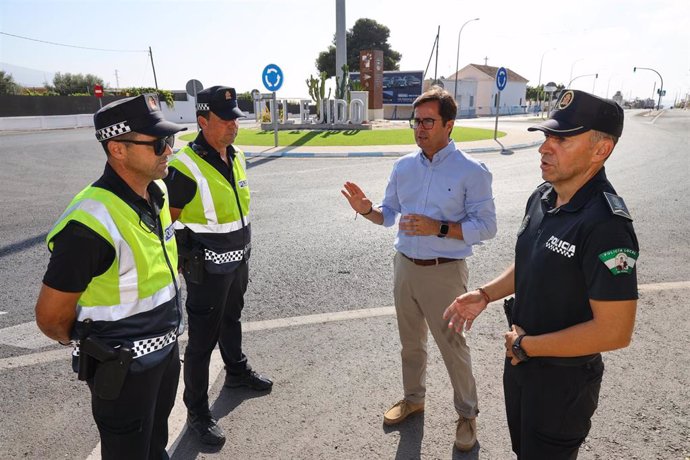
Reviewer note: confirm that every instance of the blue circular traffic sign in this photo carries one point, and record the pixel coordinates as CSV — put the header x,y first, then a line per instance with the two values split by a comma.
x,y
272,77
501,78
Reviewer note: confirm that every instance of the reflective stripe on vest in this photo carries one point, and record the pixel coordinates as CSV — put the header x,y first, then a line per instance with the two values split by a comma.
x,y
120,292
205,208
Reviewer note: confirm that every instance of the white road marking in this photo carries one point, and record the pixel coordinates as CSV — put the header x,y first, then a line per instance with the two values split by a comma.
x,y
27,335
3,312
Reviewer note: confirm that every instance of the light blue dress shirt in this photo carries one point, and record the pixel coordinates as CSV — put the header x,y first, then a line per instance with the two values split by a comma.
x,y
452,187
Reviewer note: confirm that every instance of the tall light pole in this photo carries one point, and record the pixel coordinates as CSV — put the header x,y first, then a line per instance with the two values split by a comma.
x,y
340,41
457,59
572,66
595,75
541,63
609,84
661,89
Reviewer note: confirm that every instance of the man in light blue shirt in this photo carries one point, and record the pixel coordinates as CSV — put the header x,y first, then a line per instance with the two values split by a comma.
x,y
446,205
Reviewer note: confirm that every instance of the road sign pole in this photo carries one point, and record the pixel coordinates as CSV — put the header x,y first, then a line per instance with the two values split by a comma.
x,y
498,108
274,117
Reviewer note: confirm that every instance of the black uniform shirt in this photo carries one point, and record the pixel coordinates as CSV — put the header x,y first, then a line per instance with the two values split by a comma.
x,y
182,189
565,256
80,254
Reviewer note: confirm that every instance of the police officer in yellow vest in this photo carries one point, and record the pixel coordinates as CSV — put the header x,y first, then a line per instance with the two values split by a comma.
x,y
209,198
111,285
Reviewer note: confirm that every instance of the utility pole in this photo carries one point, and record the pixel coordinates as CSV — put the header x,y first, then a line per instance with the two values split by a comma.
x,y
155,80
340,41
117,79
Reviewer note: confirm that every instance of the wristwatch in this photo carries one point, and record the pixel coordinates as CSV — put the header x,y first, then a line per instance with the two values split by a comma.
x,y
443,229
518,352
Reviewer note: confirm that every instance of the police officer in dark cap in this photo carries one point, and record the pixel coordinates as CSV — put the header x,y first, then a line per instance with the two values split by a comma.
x,y
209,199
111,287
575,283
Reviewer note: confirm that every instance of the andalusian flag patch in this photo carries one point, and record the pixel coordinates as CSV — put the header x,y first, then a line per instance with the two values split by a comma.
x,y
620,260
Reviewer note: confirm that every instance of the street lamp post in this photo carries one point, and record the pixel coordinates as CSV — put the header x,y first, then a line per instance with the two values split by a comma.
x,y
661,89
457,60
541,63
572,66
595,75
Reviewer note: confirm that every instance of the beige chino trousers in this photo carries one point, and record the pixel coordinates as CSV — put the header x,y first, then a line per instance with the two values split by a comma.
x,y
421,295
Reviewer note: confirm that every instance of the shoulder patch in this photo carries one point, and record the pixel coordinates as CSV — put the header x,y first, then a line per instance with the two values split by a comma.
x,y
617,205
621,260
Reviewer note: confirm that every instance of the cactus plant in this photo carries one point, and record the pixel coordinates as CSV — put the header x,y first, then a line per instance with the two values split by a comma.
x,y
341,84
317,90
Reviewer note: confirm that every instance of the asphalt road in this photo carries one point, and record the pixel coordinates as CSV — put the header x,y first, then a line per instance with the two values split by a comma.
x,y
335,377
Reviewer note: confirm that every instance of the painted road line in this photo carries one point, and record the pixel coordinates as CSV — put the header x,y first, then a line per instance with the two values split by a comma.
x,y
30,340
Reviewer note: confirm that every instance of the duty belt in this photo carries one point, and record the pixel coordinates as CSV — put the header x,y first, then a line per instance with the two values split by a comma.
x,y
225,257
145,346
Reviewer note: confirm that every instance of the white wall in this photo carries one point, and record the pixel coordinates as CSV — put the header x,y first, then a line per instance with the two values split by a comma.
x,y
183,111
47,122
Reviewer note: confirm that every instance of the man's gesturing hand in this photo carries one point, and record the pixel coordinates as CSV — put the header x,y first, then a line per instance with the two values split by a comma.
x,y
464,310
356,197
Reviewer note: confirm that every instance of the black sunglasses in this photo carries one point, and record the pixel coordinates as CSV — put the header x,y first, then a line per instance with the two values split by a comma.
x,y
159,145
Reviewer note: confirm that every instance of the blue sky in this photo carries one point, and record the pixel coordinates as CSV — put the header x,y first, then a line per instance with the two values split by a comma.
x,y
230,41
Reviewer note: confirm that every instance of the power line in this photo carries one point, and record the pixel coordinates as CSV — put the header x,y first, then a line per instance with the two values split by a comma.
x,y
73,46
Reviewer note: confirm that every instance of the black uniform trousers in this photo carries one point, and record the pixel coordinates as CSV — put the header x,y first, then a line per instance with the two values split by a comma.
x,y
214,308
135,425
549,407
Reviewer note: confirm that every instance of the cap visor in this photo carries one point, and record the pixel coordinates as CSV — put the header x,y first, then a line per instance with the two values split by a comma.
x,y
163,128
230,114
558,128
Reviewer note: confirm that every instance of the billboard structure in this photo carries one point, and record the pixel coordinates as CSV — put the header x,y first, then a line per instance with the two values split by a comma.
x,y
399,87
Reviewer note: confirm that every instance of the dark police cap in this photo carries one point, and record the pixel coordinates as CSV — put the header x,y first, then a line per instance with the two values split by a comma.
x,y
141,114
221,100
577,112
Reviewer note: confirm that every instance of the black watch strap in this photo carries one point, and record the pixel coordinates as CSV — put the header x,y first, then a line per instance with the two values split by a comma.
x,y
518,351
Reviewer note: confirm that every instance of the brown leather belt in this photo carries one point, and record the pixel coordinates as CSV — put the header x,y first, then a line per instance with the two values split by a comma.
x,y
428,262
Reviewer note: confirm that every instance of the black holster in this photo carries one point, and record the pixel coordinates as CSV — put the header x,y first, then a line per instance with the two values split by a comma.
x,y
191,256
508,310
107,366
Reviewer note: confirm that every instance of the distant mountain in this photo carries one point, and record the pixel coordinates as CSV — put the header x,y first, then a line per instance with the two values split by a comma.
x,y
28,77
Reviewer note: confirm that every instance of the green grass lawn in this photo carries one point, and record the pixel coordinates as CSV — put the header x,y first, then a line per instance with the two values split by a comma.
x,y
346,138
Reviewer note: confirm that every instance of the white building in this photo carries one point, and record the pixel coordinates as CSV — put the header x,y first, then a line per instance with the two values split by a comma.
x,y
477,91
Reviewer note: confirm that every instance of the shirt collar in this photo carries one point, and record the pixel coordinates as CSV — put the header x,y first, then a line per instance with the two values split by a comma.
x,y
201,140
111,181
438,156
581,197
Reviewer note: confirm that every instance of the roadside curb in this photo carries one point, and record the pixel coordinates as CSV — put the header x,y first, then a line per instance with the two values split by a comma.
x,y
286,152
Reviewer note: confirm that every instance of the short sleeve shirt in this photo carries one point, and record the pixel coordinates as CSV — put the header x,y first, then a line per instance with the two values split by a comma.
x,y
80,254
567,255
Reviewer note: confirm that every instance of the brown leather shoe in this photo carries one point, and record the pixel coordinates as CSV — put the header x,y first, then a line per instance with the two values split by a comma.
x,y
466,434
400,411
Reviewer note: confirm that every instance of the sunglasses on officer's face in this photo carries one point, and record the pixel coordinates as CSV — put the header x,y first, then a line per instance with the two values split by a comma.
x,y
159,145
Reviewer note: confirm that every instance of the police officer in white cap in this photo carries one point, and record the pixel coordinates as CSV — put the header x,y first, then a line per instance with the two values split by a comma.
x,y
111,286
574,279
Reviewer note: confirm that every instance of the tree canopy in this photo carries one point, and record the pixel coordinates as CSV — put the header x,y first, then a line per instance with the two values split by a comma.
x,y
366,34
66,84
7,84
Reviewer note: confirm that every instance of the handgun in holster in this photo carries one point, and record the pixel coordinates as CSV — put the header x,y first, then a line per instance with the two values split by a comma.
x,y
107,365
191,256
508,309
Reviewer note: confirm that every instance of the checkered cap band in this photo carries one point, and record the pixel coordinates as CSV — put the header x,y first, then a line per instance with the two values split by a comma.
x,y
202,107
145,346
224,258
112,131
